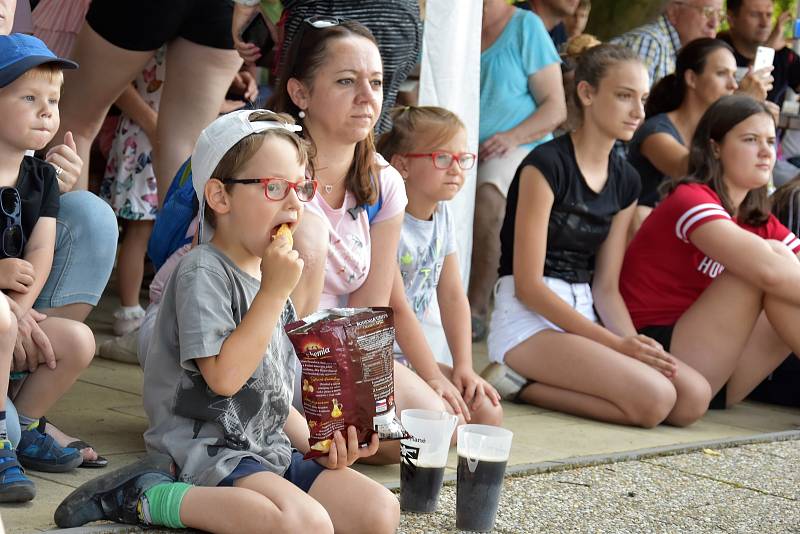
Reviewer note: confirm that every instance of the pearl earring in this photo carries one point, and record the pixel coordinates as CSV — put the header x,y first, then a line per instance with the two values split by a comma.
x,y
302,114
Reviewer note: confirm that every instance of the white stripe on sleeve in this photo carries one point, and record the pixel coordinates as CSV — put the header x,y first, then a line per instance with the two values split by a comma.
x,y
695,214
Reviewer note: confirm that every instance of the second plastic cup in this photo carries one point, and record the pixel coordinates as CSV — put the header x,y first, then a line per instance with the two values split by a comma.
x,y
482,456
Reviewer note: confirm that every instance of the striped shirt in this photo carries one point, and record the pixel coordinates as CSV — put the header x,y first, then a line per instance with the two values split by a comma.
x,y
394,23
657,44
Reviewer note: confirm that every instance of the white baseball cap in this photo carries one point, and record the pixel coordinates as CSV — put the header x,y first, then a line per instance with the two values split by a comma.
x,y
217,139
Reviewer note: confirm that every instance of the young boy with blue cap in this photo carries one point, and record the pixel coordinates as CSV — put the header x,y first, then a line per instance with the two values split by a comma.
x,y
30,88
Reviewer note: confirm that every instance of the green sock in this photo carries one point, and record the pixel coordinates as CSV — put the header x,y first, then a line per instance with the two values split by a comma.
x,y
161,504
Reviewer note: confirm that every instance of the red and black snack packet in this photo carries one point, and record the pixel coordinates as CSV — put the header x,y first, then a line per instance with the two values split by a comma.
x,y
348,374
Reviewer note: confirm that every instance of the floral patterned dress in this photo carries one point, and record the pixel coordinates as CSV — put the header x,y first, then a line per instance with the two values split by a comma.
x,y
129,185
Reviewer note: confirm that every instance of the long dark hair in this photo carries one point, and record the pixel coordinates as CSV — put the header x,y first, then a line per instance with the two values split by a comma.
x,y
668,93
306,55
705,168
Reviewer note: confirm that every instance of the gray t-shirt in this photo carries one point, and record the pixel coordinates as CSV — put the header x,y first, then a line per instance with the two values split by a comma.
x,y
206,434
421,253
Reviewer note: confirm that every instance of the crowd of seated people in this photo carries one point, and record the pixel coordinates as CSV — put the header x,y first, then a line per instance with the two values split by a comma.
x,y
623,227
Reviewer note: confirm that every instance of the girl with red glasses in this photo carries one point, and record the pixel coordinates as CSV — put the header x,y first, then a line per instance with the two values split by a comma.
x,y
427,145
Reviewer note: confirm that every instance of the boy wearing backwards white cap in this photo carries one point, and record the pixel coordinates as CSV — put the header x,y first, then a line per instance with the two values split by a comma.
x,y
219,371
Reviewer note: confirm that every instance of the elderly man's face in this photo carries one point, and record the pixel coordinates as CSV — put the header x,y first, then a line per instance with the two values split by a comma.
x,y
753,22
695,18
7,9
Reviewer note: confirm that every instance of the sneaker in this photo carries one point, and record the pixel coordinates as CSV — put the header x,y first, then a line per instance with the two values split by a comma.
x,y
40,452
127,321
505,380
14,485
122,349
115,496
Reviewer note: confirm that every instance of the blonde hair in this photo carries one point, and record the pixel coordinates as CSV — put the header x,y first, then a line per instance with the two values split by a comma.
x,y
46,71
237,157
414,126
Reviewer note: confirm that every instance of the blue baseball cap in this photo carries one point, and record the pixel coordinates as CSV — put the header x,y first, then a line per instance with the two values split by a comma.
x,y
19,53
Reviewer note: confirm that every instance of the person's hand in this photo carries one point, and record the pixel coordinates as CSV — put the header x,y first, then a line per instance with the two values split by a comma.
x,y
241,17
497,145
65,157
473,388
757,83
16,274
451,395
649,351
281,267
776,39
32,346
774,110
344,454
14,307
244,83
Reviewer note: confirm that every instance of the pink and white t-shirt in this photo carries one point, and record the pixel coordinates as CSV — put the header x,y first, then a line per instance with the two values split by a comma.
x,y
350,246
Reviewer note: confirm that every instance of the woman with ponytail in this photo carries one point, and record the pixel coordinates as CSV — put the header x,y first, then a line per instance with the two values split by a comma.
x,y
704,72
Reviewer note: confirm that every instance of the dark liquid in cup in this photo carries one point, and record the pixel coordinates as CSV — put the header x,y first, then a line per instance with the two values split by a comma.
x,y
419,487
477,494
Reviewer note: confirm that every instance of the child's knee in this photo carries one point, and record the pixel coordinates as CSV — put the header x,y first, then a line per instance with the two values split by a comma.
x,y
692,404
486,413
300,519
382,515
659,402
79,347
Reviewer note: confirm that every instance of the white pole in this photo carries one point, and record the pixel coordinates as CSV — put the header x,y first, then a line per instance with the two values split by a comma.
x,y
450,78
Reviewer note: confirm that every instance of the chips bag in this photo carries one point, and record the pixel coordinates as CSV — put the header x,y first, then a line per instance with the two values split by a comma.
x,y
348,374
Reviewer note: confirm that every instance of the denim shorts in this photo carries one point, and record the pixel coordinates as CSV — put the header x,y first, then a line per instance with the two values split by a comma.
x,y
86,244
301,473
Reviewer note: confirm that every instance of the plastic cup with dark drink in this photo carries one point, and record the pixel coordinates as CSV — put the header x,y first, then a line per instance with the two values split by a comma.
x,y
482,456
423,457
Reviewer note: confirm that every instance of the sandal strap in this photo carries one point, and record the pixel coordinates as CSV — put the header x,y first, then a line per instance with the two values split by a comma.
x,y
42,424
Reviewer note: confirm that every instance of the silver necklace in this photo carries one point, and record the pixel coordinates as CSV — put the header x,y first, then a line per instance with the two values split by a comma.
x,y
329,187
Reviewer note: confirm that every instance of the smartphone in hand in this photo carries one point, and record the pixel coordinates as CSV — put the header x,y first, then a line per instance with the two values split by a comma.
x,y
764,57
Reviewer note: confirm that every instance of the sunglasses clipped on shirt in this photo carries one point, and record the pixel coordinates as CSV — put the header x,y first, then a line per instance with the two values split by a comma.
x,y
278,188
13,239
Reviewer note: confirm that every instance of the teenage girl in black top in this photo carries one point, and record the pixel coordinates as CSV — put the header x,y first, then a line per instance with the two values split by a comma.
x,y
563,240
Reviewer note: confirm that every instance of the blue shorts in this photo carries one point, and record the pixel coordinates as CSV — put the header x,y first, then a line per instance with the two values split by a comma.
x,y
301,473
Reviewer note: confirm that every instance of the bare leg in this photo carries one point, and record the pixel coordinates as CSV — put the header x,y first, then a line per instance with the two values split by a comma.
x,y
90,90
342,491
195,83
609,387
262,502
130,265
410,391
73,344
311,240
78,311
482,412
490,208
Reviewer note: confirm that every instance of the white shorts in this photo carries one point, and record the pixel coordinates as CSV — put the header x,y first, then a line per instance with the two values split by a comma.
x,y
500,171
513,322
